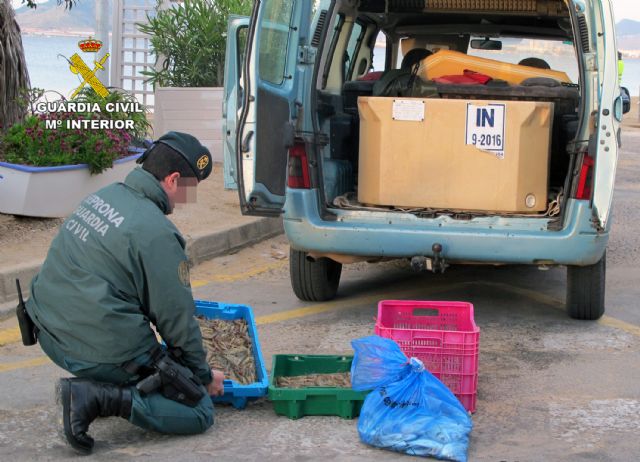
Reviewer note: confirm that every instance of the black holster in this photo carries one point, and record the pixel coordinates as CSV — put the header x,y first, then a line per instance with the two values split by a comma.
x,y
28,329
173,380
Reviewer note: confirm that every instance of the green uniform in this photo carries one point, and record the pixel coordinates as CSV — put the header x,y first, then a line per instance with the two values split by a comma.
x,y
117,266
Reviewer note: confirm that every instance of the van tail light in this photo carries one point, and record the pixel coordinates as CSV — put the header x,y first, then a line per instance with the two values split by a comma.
x,y
585,180
298,167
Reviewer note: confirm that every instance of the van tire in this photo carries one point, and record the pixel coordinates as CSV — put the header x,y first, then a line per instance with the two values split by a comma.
x,y
313,280
585,290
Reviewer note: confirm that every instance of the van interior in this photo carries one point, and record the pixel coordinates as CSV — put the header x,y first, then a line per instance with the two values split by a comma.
x,y
437,53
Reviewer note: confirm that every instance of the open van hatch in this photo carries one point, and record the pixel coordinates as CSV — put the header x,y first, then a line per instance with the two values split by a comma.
x,y
424,139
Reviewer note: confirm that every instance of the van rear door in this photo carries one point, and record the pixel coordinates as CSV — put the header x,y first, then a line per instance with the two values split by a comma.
x,y
609,110
236,43
272,74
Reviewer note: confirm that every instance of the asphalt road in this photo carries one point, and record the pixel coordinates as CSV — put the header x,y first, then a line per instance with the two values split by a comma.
x,y
550,388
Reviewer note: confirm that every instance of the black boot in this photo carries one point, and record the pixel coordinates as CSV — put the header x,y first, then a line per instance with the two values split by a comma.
x,y
82,401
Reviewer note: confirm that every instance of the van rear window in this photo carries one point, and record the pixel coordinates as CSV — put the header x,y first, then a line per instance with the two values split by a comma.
x,y
274,40
557,55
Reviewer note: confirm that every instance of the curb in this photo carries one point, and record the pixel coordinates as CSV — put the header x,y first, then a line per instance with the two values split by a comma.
x,y
205,246
200,248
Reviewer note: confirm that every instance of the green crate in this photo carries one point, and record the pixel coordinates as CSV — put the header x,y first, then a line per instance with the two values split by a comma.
x,y
298,402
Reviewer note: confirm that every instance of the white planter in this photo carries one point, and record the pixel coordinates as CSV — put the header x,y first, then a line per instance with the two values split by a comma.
x,y
197,111
54,191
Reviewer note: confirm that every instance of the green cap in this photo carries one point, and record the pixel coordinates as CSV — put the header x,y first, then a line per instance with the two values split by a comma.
x,y
188,146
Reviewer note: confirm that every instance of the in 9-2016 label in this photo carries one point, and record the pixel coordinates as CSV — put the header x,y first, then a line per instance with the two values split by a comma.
x,y
485,127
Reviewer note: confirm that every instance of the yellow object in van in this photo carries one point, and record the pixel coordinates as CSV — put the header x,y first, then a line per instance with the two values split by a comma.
x,y
447,62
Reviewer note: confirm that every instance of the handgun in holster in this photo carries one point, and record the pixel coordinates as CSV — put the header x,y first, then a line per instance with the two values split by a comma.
x,y
173,380
28,329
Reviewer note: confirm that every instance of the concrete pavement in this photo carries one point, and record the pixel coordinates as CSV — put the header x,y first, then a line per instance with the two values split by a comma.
x,y
550,388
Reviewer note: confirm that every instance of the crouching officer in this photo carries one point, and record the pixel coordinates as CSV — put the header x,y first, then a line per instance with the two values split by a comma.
x,y
116,268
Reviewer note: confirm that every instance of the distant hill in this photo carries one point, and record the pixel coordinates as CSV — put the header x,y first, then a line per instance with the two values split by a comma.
x,y
50,16
628,33
628,27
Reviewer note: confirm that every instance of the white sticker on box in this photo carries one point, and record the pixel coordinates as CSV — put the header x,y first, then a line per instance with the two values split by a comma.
x,y
485,127
408,110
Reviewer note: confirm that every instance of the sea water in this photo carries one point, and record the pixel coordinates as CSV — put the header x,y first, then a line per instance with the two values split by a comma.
x,y
47,62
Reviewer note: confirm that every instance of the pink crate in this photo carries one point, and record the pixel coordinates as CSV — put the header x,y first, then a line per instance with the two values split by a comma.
x,y
443,335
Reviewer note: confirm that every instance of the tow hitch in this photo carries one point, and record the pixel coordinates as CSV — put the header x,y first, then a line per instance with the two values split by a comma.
x,y
437,264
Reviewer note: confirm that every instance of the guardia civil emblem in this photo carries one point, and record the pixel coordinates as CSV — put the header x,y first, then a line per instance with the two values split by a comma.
x,y
78,66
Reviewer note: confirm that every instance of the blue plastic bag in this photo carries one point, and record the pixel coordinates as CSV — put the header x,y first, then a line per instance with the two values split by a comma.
x,y
409,410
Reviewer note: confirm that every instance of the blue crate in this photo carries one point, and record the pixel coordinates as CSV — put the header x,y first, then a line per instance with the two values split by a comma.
x,y
234,393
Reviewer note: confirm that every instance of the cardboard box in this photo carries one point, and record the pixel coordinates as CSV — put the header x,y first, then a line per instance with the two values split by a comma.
x,y
454,154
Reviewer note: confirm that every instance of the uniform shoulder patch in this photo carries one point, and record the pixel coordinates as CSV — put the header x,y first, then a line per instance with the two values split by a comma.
x,y
183,273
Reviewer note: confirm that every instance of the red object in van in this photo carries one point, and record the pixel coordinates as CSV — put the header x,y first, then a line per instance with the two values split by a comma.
x,y
468,78
371,76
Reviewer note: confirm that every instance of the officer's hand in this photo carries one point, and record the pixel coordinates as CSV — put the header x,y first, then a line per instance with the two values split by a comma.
x,y
216,387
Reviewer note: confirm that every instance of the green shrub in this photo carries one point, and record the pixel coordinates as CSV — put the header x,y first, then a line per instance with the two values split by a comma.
x,y
191,39
31,143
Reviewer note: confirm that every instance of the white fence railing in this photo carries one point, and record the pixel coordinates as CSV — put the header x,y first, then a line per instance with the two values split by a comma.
x,y
131,48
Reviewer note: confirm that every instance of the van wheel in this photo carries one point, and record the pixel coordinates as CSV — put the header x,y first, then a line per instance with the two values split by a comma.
x,y
313,281
585,290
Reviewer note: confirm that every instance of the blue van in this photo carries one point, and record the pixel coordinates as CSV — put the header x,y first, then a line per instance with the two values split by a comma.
x,y
296,70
